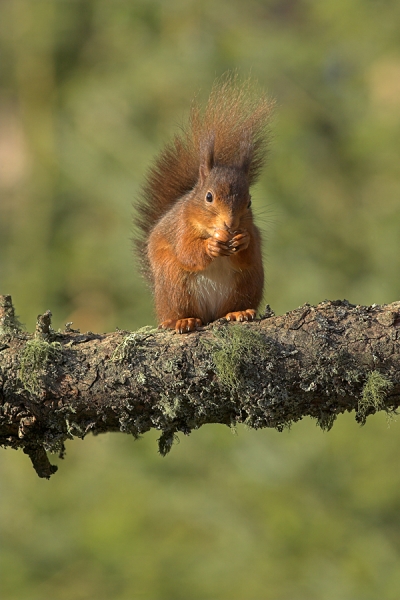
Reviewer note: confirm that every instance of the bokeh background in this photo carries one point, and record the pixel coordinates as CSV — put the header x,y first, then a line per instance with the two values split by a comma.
x,y
89,92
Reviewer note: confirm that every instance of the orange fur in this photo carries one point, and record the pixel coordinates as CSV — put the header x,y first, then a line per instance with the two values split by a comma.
x,y
199,245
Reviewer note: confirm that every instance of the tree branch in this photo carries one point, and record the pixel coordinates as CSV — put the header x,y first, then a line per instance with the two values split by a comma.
x,y
313,361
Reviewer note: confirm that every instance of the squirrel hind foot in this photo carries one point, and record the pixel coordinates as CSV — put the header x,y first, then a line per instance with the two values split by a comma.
x,y
182,325
241,315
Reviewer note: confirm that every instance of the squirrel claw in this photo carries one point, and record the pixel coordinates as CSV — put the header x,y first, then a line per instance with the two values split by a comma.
x,y
216,248
241,315
240,241
181,325
170,324
186,325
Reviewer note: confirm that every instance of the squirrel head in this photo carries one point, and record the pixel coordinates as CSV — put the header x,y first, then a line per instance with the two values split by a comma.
x,y
222,191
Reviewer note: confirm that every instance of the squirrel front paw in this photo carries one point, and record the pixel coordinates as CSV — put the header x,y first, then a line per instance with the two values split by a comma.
x,y
181,325
241,315
240,241
225,243
218,244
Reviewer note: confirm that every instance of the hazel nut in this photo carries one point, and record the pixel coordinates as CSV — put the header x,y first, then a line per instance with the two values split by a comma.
x,y
222,235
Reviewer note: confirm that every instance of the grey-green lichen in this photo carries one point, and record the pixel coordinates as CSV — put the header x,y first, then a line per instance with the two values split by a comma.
x,y
166,441
34,359
335,373
169,407
326,421
373,396
126,349
243,357
9,323
234,349
73,428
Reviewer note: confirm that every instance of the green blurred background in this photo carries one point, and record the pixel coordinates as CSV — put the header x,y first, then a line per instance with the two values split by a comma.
x,y
89,92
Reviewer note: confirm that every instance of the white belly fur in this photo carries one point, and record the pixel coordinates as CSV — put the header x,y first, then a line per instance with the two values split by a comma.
x,y
213,286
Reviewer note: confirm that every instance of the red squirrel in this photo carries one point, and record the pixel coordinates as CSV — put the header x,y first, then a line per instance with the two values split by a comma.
x,y
199,245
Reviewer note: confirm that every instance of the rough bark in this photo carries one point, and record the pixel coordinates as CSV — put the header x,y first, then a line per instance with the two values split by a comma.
x,y
315,361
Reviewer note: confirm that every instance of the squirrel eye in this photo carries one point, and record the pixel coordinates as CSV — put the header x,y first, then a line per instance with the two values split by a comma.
x,y
209,197
249,204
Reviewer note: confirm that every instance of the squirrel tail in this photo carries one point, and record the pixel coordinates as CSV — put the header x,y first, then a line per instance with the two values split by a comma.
x,y
235,120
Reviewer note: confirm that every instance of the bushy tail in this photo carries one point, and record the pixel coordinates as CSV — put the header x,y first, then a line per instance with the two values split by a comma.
x,y
235,116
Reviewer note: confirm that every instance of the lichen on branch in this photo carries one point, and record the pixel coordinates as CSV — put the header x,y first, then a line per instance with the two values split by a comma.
x,y
317,361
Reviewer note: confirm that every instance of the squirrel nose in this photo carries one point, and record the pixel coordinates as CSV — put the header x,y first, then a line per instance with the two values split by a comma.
x,y
230,224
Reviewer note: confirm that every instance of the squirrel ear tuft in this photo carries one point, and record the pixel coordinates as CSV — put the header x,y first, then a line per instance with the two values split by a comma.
x,y
246,152
206,158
